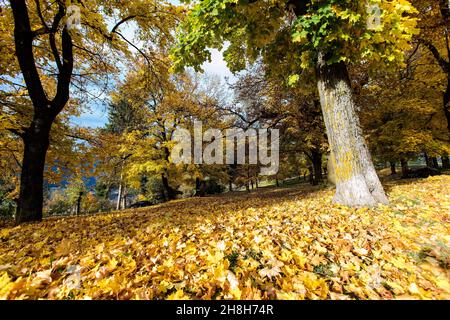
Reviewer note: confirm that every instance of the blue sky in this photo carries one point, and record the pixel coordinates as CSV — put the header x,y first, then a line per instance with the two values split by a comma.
x,y
97,116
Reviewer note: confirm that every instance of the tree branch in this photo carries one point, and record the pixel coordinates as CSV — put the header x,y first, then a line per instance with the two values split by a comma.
x,y
445,65
23,37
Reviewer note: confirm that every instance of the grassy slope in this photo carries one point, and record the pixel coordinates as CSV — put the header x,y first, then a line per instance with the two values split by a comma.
x,y
275,243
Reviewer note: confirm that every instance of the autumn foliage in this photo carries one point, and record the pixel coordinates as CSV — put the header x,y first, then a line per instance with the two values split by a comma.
x,y
287,243
355,91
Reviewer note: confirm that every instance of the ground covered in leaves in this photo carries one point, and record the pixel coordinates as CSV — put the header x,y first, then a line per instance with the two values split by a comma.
x,y
274,244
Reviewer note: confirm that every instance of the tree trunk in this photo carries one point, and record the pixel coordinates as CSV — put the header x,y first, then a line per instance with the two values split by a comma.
x,y
357,183
230,185
169,193
434,163
31,194
197,186
404,164
36,137
316,157
311,175
119,194
80,196
427,160
447,102
124,198
165,192
445,162
393,169
330,171
277,181
200,188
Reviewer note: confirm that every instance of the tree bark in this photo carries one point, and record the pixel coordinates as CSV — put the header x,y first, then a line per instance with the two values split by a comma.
x,y
330,171
357,183
31,195
393,169
316,157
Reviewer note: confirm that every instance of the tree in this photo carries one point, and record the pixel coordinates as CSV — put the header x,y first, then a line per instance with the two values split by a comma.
x,y
123,117
76,190
434,23
329,35
402,111
144,114
53,58
295,111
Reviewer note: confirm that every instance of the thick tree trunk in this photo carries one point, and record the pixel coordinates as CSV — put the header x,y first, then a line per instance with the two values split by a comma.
x,y
31,195
393,169
357,183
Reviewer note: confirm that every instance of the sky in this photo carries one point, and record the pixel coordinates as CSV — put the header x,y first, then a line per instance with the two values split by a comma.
x,y
97,116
